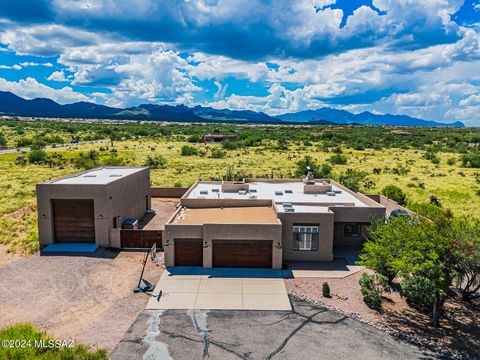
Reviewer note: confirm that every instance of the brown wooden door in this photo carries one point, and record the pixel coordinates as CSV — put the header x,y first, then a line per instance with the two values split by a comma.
x,y
242,254
73,221
188,252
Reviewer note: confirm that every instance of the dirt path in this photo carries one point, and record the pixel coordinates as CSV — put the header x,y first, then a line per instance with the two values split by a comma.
x,y
72,297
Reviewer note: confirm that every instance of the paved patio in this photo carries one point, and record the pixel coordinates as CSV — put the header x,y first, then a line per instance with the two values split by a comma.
x,y
184,288
338,269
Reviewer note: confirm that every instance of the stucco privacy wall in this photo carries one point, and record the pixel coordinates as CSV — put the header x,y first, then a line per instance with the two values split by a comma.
x,y
123,197
167,192
209,232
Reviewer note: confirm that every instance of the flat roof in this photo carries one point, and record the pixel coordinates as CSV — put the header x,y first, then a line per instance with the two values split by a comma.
x,y
99,176
233,215
279,192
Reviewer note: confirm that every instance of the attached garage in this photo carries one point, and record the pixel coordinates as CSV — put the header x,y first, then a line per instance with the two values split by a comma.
x,y
73,221
242,253
188,252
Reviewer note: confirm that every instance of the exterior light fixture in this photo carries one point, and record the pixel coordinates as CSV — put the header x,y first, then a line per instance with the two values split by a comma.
x,y
167,242
43,216
100,216
205,244
279,246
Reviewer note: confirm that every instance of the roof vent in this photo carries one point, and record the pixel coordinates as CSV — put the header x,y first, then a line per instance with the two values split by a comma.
x,y
278,193
253,190
90,175
242,192
114,175
215,190
337,191
288,191
203,192
252,197
330,193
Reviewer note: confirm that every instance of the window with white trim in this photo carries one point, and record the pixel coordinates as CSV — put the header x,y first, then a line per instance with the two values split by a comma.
x,y
305,237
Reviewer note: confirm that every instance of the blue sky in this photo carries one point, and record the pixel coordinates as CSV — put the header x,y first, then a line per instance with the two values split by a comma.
x,y
415,57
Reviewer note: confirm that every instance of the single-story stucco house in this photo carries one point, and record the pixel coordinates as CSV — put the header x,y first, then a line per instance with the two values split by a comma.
x,y
248,223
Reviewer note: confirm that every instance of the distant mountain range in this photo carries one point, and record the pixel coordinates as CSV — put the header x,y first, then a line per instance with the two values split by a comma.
x,y
11,104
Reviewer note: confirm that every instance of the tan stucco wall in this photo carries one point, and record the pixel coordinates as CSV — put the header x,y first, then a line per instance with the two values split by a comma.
x,y
210,232
325,237
122,198
339,239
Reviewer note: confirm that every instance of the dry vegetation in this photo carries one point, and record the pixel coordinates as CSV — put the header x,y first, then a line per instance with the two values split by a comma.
x,y
456,186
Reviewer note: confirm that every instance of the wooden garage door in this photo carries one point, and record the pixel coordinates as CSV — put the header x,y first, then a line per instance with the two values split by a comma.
x,y
73,221
188,252
242,254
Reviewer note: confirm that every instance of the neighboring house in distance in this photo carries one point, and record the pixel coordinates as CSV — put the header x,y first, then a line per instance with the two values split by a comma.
x,y
262,223
218,138
82,208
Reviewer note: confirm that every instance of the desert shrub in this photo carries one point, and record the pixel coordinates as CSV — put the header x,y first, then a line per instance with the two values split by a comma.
x,y
352,179
87,160
37,156
372,287
338,159
418,291
318,171
20,160
229,145
451,161
218,154
282,144
3,141
193,138
156,162
325,289
377,171
435,200
401,170
430,155
188,150
26,332
369,184
471,160
395,193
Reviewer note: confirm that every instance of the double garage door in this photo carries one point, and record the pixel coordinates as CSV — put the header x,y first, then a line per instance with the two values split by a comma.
x,y
226,253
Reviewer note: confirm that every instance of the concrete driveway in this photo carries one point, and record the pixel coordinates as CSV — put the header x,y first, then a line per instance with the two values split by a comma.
x,y
220,289
307,332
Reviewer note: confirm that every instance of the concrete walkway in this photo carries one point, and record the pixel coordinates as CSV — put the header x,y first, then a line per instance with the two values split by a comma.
x,y
340,268
220,289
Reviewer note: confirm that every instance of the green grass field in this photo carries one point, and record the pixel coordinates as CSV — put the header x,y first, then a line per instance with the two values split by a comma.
x,y
456,187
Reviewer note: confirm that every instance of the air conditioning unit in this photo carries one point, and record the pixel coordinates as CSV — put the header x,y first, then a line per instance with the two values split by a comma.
x,y
330,193
242,192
